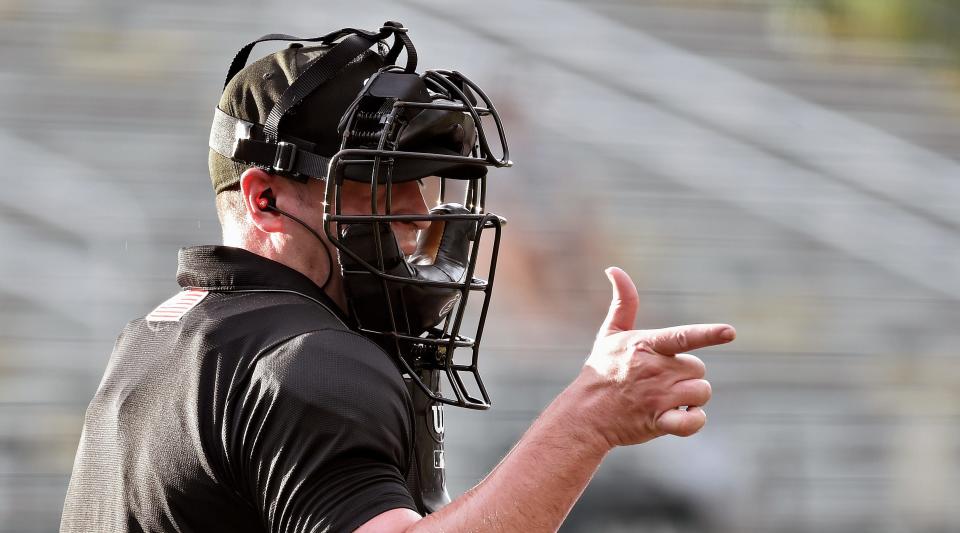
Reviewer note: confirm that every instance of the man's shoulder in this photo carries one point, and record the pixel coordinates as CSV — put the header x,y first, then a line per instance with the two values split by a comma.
x,y
227,332
331,381
251,323
268,309
339,361
248,310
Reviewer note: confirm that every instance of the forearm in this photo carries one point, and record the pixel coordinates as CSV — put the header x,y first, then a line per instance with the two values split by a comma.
x,y
630,391
536,484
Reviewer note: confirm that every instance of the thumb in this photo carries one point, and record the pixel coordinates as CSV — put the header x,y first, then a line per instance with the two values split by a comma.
x,y
623,305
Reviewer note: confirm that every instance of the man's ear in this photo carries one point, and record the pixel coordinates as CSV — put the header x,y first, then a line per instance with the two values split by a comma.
x,y
256,186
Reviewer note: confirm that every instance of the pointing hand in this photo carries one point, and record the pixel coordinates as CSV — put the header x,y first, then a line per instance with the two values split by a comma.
x,y
640,383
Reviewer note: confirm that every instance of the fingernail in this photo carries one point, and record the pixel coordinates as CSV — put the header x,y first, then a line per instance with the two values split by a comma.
x,y
728,334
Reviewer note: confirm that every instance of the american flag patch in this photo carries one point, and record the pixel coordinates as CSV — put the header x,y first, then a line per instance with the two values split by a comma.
x,y
173,309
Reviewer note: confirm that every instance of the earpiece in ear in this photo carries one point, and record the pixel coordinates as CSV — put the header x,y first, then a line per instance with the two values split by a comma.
x,y
266,200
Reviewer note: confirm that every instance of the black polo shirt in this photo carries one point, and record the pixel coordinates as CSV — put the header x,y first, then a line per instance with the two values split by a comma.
x,y
242,404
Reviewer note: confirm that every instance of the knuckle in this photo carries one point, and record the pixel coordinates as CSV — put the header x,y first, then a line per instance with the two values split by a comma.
x,y
680,426
693,423
698,365
690,366
648,369
643,345
692,429
706,390
699,392
682,340
662,402
653,403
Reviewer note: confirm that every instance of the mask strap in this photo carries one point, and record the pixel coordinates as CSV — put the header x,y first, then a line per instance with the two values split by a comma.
x,y
389,27
400,42
240,60
316,74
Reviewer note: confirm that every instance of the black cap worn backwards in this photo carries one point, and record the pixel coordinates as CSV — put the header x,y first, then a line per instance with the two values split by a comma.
x,y
292,111
253,91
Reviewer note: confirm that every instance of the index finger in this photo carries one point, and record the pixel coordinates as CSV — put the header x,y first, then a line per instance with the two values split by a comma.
x,y
679,339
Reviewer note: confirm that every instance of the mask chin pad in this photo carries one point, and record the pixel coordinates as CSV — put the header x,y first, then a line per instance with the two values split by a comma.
x,y
441,256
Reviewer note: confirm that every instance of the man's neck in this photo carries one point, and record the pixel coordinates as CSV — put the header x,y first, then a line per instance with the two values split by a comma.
x,y
319,268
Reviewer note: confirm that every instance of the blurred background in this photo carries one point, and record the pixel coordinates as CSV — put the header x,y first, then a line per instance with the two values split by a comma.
x,y
787,166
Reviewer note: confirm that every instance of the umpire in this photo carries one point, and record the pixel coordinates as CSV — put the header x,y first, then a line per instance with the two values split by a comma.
x,y
260,398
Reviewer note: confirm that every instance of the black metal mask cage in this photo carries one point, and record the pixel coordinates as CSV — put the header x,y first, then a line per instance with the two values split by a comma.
x,y
396,299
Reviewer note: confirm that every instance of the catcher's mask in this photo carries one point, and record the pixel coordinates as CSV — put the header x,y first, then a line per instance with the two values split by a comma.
x,y
402,126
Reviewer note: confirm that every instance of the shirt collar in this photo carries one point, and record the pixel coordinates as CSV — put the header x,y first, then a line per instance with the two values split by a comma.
x,y
234,269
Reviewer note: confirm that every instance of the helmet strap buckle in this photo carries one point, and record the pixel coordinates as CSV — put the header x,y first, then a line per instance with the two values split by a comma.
x,y
286,157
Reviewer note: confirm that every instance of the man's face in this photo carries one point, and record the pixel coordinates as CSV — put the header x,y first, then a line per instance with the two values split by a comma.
x,y
407,199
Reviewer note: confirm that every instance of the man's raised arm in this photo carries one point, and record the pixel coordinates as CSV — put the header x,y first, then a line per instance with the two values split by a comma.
x,y
636,385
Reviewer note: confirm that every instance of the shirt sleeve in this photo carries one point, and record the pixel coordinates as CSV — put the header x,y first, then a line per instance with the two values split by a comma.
x,y
319,438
